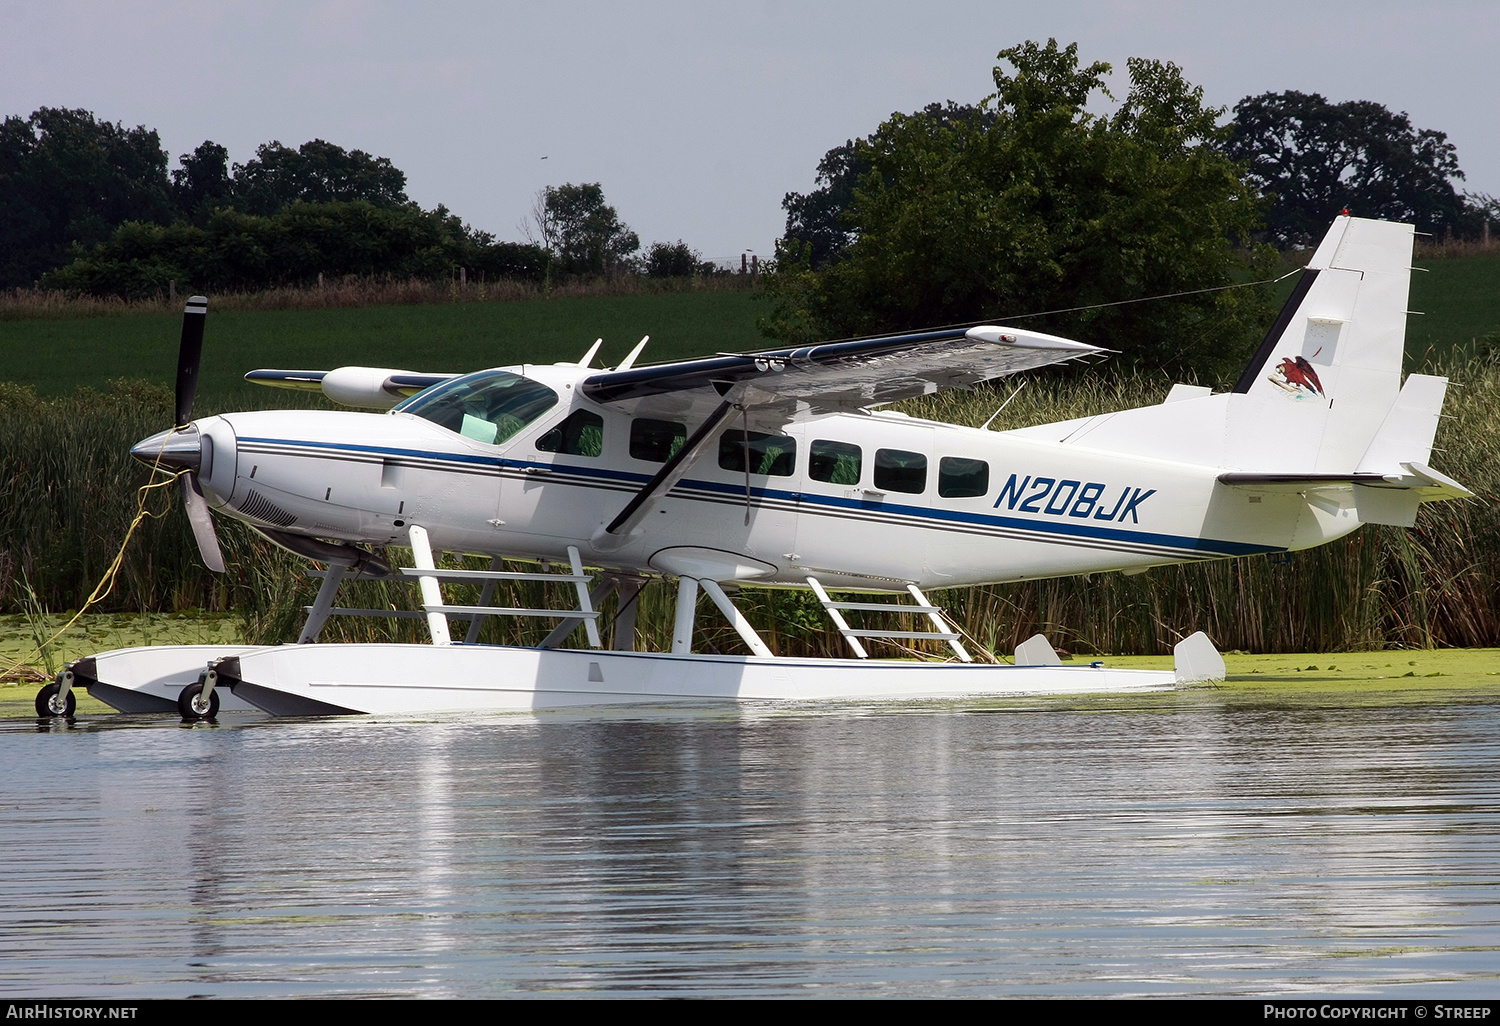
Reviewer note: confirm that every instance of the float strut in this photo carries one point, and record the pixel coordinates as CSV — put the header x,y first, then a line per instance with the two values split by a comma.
x,y
322,605
590,626
687,610
432,595
630,592
485,598
736,618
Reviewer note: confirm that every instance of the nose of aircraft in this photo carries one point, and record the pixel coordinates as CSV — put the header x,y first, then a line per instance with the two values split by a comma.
x,y
175,449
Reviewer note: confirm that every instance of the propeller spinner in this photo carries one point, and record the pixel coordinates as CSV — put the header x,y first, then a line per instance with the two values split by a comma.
x,y
181,448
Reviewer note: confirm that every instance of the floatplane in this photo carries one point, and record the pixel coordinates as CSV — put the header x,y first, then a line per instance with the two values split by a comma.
x,y
776,469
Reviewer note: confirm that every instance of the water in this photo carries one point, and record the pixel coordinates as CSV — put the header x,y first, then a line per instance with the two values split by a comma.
x,y
1184,844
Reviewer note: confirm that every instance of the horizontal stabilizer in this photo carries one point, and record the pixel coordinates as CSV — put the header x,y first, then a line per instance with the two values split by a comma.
x,y
1296,482
1433,485
1377,498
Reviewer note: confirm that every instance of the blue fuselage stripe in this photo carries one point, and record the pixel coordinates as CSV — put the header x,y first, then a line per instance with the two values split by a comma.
x,y
951,516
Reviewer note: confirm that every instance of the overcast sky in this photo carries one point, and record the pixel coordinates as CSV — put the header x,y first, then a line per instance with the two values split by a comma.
x,y
695,117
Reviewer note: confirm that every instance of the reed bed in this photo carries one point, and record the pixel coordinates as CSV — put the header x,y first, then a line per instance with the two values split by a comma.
x,y
68,488
43,304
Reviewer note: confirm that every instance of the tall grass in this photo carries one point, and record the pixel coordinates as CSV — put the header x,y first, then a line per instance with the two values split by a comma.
x,y
1427,249
67,488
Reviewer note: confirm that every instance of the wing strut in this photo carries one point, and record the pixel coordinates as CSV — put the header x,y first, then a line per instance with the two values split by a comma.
x,y
670,473
745,434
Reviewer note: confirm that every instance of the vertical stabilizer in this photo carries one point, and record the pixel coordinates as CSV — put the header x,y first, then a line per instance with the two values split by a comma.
x,y
1338,343
1319,387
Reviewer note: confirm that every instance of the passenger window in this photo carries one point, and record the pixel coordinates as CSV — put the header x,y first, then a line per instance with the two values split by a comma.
x,y
656,441
835,462
960,478
774,455
582,434
899,471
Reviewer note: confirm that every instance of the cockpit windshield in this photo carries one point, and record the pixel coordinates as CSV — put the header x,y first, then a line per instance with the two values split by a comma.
x,y
489,406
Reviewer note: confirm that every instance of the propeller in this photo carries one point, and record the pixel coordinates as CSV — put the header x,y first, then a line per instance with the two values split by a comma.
x,y
181,448
189,356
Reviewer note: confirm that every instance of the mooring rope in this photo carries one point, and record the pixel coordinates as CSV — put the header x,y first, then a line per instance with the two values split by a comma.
x,y
107,582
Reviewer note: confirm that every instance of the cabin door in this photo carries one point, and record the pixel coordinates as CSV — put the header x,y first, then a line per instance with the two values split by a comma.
x,y
863,504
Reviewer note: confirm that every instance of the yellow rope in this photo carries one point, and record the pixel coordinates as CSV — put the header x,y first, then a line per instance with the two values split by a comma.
x,y
107,582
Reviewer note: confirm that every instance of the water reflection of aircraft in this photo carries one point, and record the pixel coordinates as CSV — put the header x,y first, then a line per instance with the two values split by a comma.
x,y
777,468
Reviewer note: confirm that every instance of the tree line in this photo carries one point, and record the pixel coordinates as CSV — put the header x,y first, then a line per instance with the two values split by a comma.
x,y
89,206
1025,205
1028,202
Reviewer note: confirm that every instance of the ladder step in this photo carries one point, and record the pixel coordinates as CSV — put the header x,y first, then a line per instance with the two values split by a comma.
x,y
556,614
493,575
931,635
883,607
402,614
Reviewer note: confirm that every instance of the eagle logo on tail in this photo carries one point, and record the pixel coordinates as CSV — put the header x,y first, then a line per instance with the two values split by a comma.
x,y
1296,375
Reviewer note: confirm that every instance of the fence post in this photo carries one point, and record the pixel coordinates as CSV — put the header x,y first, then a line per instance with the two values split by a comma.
x,y
742,263
172,290
320,279
754,268
463,277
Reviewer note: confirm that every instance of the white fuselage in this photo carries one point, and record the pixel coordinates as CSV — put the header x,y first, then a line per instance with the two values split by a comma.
x,y
1046,508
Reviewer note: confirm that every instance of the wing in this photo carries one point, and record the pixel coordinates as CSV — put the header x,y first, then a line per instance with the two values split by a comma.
x,y
375,388
834,376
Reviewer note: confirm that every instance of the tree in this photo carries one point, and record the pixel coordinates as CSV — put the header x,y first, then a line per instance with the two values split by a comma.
x,y
315,172
68,179
236,251
1033,203
203,183
583,233
675,260
815,221
818,219
1313,158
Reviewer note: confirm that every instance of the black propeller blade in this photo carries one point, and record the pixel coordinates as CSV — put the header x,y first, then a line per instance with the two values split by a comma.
x,y
189,355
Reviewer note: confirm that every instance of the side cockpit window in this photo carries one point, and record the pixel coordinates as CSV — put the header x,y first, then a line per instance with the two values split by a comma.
x,y
488,406
581,434
656,441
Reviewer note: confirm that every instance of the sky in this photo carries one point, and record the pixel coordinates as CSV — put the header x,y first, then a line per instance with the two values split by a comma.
x,y
696,118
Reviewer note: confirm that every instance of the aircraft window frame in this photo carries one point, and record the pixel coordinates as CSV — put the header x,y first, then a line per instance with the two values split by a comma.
x,y
668,440
767,459
480,406
571,436
827,456
955,483
908,478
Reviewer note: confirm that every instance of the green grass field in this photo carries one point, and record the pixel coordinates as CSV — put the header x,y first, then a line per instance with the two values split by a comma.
x,y
58,355
1460,297
1459,300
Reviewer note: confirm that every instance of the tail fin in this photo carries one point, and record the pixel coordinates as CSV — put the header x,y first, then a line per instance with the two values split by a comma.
x,y
1320,411
1340,339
